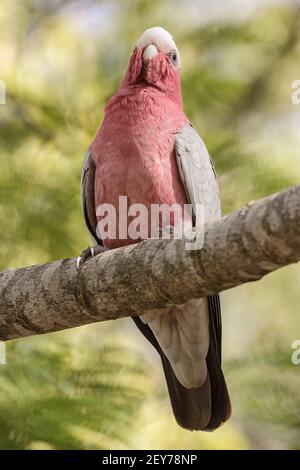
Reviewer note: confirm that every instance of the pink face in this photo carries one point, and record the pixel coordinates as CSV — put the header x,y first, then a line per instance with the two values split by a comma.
x,y
151,66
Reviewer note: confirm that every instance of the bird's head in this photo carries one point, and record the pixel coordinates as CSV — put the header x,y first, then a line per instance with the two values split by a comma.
x,y
155,61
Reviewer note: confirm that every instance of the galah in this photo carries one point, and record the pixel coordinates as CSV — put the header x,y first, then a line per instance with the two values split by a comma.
x,y
147,149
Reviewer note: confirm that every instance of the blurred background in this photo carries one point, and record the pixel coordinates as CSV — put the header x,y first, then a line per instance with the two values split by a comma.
x,y
102,386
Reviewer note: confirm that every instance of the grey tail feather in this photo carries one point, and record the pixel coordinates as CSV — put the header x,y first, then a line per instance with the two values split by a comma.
x,y
207,407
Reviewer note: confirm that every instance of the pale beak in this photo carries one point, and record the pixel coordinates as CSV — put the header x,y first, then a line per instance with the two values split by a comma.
x,y
149,53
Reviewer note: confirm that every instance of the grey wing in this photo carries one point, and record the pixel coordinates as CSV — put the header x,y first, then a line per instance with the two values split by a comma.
x,y
88,196
199,178
197,173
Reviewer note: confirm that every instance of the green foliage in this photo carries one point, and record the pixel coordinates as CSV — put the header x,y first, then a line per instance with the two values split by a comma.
x,y
266,388
60,395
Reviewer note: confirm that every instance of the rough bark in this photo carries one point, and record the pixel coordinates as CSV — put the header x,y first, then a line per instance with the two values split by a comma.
x,y
241,247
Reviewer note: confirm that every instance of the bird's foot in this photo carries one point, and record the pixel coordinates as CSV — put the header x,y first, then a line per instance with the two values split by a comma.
x,y
89,253
166,232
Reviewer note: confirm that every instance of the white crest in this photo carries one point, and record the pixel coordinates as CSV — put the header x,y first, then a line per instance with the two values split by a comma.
x,y
160,38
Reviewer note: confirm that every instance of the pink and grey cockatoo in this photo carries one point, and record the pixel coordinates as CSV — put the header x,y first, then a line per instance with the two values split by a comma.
x,y
146,149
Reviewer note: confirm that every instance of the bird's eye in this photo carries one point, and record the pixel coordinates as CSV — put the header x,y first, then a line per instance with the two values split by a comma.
x,y
173,57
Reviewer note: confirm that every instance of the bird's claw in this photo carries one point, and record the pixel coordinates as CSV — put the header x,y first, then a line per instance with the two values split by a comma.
x,y
89,253
166,232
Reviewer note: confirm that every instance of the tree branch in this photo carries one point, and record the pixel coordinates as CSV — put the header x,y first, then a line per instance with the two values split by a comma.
x,y
241,247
